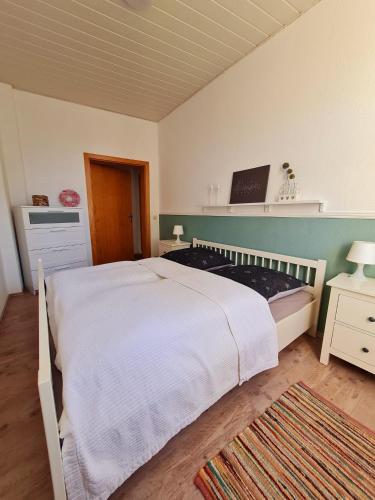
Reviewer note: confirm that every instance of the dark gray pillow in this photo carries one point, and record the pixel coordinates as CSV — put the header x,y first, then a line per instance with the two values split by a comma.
x,y
269,283
199,258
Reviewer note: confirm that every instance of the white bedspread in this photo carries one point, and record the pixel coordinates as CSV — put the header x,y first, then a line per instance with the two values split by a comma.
x,y
145,347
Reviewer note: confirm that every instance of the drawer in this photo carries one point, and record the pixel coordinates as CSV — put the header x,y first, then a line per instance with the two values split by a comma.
x,y
58,256
356,312
54,237
353,343
53,270
48,217
163,249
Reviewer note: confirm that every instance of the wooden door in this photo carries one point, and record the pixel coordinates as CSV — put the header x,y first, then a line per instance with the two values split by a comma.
x,y
111,228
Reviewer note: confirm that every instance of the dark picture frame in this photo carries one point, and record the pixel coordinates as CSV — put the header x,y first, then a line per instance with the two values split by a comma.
x,y
250,186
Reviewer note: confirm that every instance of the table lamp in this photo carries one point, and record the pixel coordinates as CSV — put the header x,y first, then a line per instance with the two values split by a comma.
x,y
361,252
178,231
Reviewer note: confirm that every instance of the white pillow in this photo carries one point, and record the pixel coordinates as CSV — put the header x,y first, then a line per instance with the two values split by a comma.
x,y
281,295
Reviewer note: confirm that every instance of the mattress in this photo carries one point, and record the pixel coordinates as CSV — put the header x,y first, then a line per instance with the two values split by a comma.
x,y
286,306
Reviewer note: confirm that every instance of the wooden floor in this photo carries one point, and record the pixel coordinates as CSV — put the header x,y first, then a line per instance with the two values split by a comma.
x,y
24,472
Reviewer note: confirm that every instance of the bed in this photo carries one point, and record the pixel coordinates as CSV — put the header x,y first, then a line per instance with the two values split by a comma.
x,y
222,316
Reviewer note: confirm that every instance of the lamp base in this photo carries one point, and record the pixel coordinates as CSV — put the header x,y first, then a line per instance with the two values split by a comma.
x,y
359,274
178,239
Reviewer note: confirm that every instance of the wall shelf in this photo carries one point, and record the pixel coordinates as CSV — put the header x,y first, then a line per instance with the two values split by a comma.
x,y
267,206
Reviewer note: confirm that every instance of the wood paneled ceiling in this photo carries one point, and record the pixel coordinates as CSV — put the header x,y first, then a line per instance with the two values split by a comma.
x,y
140,63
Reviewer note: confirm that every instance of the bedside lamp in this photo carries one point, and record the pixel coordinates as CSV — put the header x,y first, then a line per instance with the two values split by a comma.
x,y
361,252
178,231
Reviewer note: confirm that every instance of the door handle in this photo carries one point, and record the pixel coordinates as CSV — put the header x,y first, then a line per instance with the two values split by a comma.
x,y
131,217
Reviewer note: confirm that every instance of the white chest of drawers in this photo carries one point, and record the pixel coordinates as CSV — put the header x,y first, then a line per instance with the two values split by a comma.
x,y
350,326
56,235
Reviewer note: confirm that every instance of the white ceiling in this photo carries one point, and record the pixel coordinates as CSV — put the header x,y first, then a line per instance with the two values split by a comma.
x,y
140,63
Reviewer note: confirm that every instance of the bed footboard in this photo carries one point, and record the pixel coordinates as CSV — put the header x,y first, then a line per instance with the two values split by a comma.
x,y
46,396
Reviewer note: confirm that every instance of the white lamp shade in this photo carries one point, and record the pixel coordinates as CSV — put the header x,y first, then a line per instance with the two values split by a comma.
x,y
362,252
178,230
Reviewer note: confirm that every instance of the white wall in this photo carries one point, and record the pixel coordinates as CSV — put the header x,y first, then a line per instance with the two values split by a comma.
x,y
3,218
10,278
10,146
307,96
10,275
3,290
54,134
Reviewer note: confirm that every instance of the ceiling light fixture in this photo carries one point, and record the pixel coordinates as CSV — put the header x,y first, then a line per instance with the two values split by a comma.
x,y
138,4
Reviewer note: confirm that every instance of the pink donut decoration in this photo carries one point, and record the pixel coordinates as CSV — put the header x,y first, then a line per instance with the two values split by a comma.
x,y
69,198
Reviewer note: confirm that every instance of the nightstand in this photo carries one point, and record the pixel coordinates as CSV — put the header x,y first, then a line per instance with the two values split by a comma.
x,y
169,245
350,327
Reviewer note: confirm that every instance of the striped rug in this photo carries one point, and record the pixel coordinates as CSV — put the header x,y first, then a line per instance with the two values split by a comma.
x,y
301,447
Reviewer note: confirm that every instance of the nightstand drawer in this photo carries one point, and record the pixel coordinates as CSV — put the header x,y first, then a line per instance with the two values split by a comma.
x,y
353,343
356,312
166,246
164,249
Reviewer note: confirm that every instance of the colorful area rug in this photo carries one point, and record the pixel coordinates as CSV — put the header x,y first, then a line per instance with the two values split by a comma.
x,y
301,447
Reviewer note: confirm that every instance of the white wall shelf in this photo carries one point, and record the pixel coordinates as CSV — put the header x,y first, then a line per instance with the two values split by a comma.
x,y
267,206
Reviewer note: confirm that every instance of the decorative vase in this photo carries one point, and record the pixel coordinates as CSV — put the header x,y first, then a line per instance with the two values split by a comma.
x,y
210,195
217,193
289,191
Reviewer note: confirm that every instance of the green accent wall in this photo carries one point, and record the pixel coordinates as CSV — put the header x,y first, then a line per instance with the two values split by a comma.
x,y
312,238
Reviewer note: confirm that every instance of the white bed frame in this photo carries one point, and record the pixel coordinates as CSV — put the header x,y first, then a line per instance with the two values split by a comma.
x,y
46,396
288,329
311,271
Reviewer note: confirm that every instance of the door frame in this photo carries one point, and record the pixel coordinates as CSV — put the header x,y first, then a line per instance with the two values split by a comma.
x,y
143,168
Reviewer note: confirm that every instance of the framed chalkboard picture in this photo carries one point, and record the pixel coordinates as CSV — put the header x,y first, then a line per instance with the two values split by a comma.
x,y
250,186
